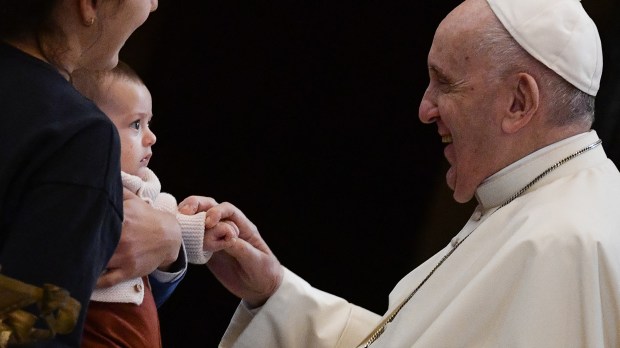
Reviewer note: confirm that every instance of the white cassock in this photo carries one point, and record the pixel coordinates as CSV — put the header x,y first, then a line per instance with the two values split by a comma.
x,y
541,271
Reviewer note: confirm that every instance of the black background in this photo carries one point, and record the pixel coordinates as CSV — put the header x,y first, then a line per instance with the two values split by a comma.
x,y
304,115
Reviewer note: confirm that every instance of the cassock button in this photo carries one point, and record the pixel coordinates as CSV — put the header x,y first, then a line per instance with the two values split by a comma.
x,y
454,242
138,287
477,215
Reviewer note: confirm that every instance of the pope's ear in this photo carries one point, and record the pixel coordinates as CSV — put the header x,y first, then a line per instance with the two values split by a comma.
x,y
525,97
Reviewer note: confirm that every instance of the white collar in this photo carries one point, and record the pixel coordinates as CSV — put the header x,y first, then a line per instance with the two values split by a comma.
x,y
147,188
499,187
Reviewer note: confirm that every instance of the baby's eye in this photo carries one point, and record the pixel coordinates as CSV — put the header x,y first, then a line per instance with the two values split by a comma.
x,y
135,125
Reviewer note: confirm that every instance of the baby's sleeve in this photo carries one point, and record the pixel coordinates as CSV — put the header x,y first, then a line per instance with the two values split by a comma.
x,y
192,229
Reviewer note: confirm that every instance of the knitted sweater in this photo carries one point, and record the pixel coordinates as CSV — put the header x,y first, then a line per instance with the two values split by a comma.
x,y
192,230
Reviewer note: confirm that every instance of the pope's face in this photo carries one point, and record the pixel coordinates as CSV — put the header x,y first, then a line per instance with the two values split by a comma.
x,y
461,101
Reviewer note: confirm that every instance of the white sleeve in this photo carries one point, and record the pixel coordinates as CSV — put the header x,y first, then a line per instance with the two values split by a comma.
x,y
299,316
192,228
166,202
193,231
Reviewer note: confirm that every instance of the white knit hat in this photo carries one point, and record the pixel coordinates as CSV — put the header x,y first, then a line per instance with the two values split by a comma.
x,y
560,34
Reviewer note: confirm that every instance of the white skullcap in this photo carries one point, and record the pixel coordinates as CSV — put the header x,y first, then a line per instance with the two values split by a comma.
x,y
560,34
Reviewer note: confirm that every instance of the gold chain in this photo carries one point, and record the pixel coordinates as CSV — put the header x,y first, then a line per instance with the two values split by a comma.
x,y
377,332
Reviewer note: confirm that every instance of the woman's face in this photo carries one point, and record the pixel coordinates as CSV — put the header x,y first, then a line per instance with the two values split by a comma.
x,y
116,21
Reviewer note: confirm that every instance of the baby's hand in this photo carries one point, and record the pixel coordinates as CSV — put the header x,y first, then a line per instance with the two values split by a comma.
x,y
219,232
220,235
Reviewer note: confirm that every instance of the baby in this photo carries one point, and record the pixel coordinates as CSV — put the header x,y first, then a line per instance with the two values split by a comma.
x,y
126,314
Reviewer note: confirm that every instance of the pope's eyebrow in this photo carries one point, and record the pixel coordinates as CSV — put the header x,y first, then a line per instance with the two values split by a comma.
x,y
435,70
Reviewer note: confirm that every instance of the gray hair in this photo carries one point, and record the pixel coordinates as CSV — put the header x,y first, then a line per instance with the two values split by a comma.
x,y
567,104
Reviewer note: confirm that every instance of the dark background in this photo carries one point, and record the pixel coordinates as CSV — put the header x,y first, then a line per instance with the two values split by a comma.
x,y
304,115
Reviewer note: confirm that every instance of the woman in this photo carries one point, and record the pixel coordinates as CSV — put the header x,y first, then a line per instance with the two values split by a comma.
x,y
61,204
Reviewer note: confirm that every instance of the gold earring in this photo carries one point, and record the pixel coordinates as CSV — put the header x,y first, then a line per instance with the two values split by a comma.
x,y
91,21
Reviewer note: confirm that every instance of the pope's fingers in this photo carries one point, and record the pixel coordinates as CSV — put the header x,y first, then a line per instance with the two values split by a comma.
x,y
244,252
227,211
194,204
253,257
233,228
262,271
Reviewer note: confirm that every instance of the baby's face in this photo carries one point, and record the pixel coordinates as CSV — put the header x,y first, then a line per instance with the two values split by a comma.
x,y
130,108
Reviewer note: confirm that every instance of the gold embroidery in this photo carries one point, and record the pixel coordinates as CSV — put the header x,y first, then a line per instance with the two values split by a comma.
x,y
57,312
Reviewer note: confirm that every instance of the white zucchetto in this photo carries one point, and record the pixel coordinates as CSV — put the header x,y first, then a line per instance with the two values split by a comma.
x,y
558,33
